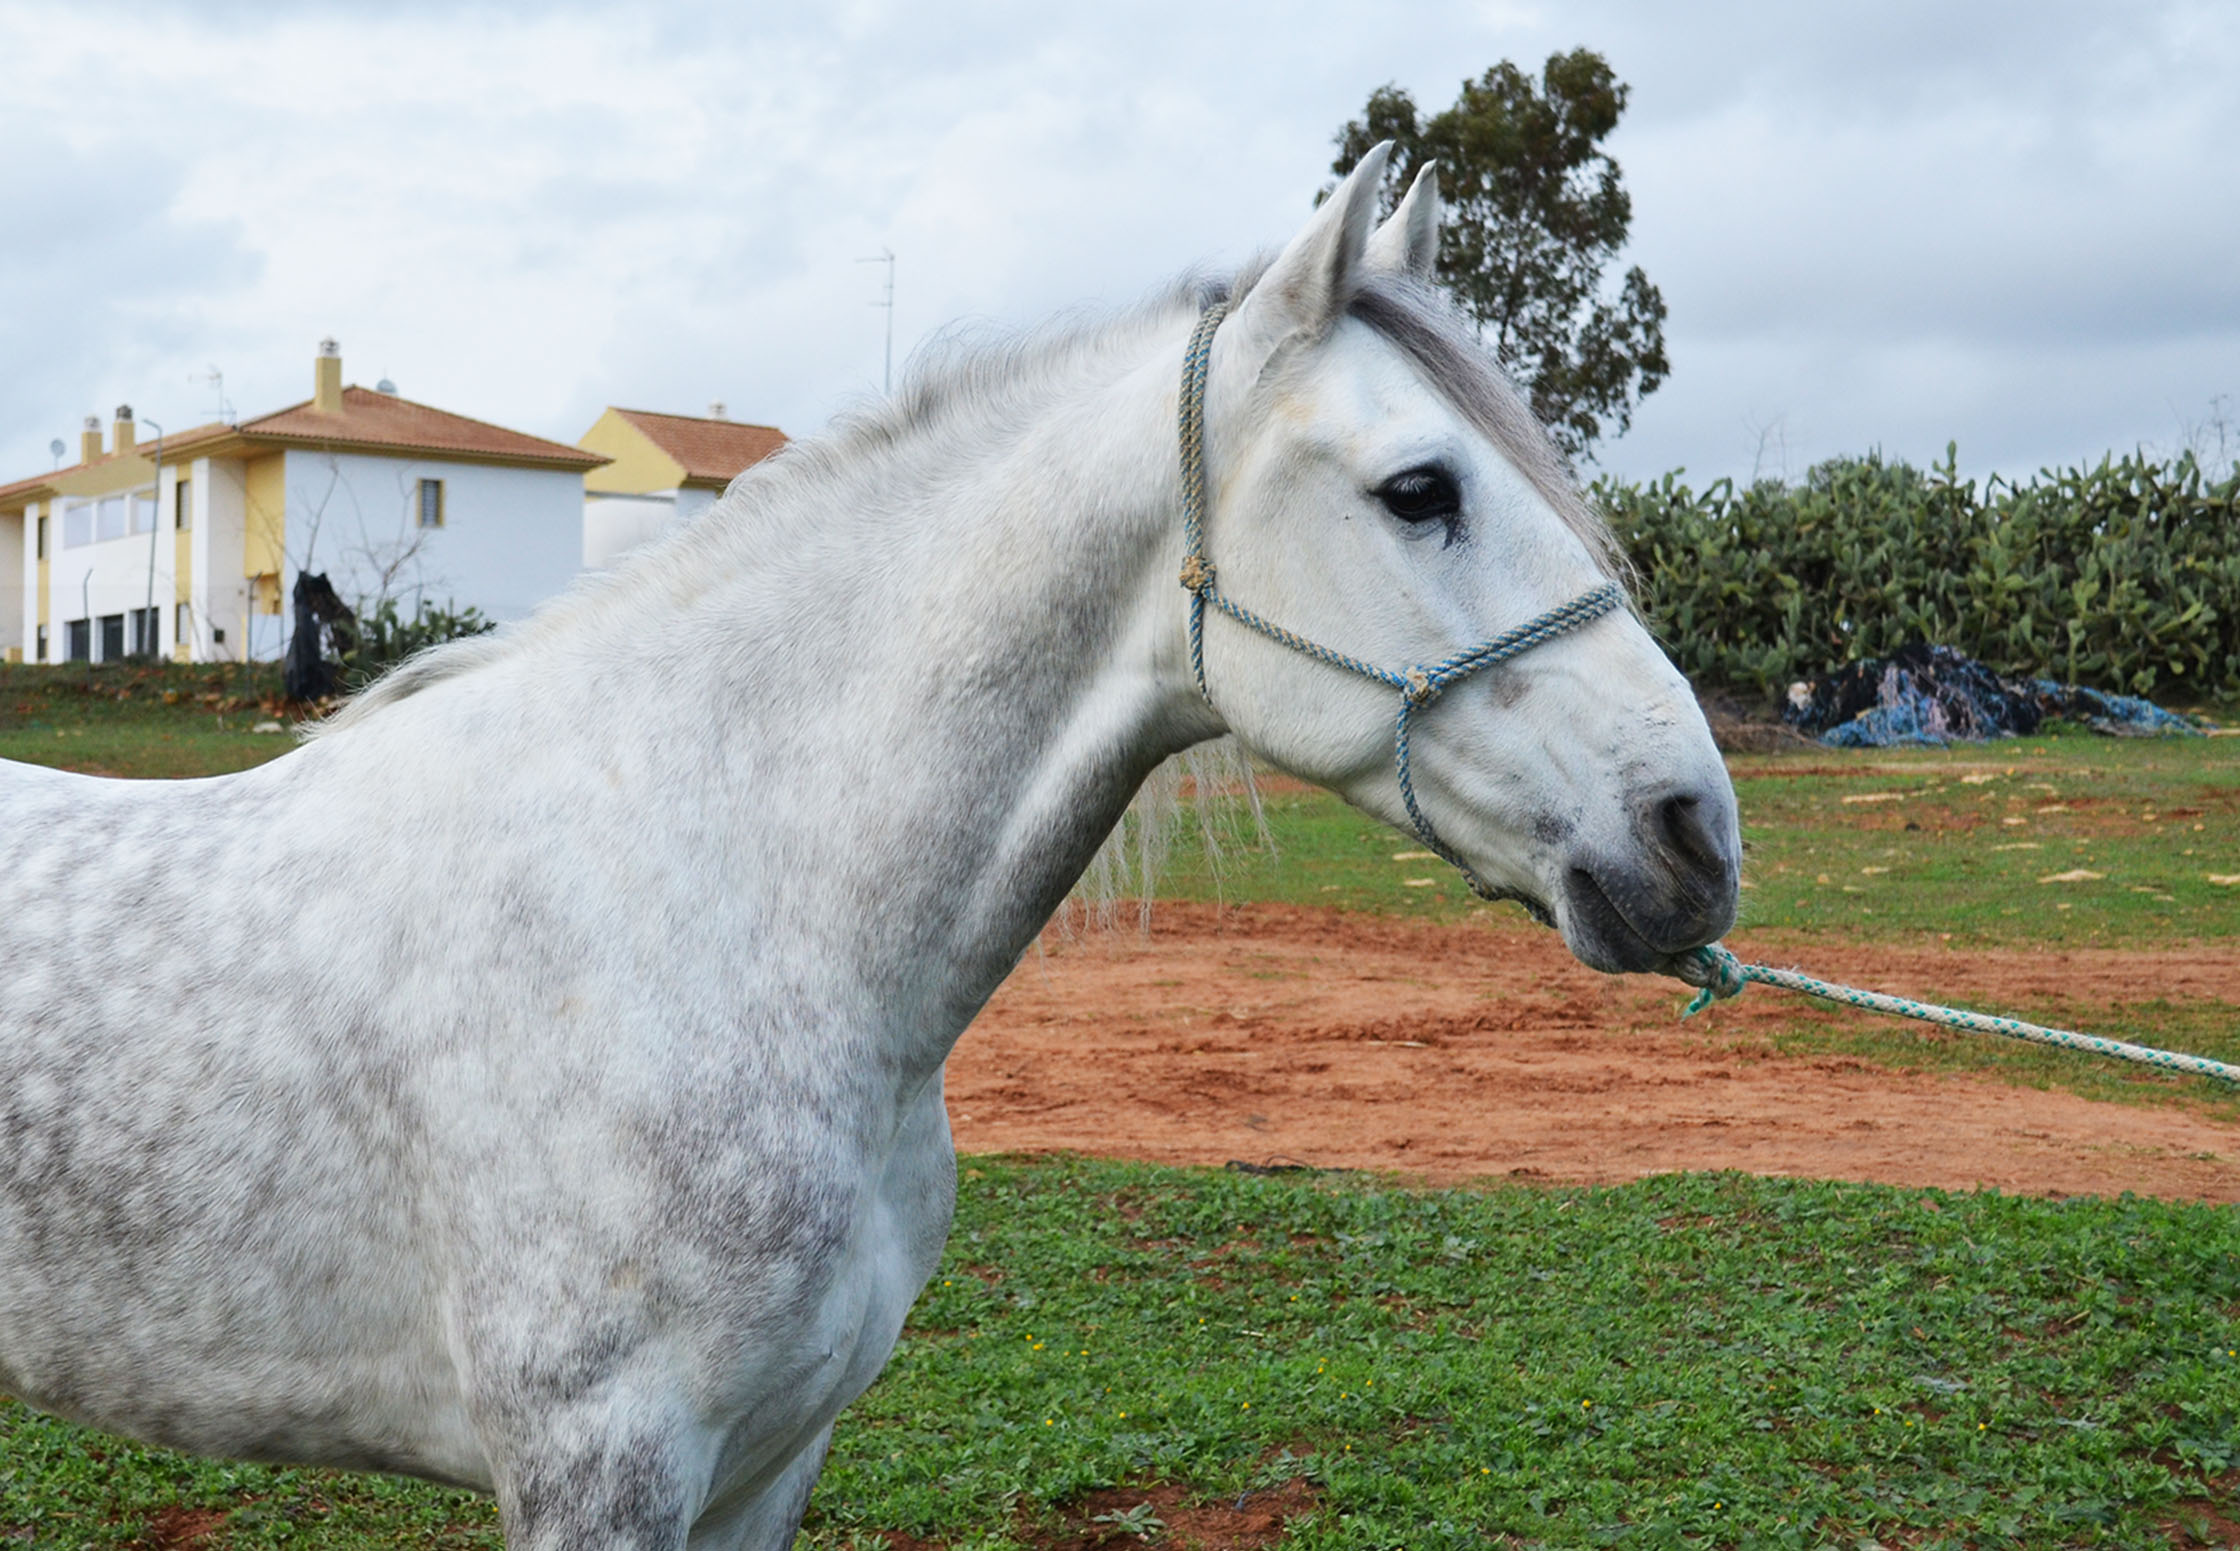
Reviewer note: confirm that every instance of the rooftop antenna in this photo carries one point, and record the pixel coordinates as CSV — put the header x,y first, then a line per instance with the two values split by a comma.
x,y
885,256
217,381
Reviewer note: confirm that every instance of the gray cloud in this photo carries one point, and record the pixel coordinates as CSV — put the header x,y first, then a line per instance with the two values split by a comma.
x,y
99,285
1889,225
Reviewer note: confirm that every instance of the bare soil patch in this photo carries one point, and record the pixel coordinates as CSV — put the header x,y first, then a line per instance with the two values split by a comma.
x,y
1270,1033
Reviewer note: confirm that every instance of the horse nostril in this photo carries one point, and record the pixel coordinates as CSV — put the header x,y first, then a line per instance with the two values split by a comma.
x,y
1683,826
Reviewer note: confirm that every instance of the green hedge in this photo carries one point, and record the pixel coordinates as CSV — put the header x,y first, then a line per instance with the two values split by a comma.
x,y
2125,577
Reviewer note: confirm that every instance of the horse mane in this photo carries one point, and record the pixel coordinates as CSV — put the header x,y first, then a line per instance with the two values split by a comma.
x,y
975,375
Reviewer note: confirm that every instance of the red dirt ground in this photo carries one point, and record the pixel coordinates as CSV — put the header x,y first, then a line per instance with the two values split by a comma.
x,y
1276,1034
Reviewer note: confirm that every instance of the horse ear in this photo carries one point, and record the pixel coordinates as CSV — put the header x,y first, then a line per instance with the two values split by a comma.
x,y
1408,242
1306,289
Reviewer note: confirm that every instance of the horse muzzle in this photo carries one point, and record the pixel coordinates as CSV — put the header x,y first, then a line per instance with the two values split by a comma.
x,y
1675,887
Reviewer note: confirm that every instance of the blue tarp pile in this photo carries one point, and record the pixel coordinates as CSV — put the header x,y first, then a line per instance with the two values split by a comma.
x,y
1935,695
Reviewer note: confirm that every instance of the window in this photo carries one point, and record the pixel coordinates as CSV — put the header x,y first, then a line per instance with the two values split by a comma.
x,y
182,507
42,554
42,643
112,637
78,640
77,523
143,511
145,642
110,518
431,503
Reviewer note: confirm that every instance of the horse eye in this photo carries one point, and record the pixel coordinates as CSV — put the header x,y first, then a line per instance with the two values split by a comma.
x,y
1422,495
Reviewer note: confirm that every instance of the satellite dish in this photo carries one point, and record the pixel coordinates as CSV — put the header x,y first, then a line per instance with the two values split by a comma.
x,y
386,386
56,448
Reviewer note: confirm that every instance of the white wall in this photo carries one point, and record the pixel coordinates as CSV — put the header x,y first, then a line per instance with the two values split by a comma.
x,y
16,564
219,600
108,576
613,525
510,537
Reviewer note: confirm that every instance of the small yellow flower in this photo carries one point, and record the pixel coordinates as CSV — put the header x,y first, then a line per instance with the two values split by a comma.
x,y
1047,1422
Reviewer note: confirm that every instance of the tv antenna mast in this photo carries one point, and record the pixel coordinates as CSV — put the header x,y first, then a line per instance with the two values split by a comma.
x,y
885,256
217,381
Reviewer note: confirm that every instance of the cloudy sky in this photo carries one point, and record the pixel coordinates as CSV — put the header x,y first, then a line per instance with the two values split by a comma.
x,y
1891,224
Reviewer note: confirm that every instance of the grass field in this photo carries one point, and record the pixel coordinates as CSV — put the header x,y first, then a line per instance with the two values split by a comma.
x,y
1703,1360
132,720
1871,845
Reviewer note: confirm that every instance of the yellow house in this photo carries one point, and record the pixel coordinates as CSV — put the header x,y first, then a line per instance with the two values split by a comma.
x,y
187,546
661,469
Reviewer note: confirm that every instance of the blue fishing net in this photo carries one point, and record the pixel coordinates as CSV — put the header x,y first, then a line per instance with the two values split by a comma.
x,y
1934,695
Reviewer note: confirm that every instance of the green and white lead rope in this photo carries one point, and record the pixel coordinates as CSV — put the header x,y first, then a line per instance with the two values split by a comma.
x,y
1716,971
1719,974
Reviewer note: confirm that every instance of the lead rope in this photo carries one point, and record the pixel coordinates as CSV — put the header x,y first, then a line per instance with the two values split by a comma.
x,y
1419,686
1719,974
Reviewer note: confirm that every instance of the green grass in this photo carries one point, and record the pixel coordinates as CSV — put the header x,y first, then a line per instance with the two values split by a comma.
x,y
1704,1360
131,719
1932,841
1711,1360
1892,844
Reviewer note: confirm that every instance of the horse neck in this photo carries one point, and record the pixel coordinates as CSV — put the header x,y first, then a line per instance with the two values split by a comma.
x,y
944,668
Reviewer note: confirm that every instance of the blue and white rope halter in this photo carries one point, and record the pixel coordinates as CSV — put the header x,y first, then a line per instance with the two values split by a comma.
x,y
1418,685
1715,970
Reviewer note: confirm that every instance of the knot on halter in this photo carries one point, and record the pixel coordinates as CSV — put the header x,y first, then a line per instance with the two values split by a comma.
x,y
1197,574
1716,973
1420,689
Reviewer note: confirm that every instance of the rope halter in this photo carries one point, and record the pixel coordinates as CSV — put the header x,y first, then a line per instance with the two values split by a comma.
x,y
1419,686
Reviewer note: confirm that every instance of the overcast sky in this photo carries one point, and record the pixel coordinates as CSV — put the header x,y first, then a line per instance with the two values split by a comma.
x,y
1891,224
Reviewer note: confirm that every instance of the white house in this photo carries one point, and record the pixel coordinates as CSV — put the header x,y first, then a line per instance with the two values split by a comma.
x,y
188,546
661,469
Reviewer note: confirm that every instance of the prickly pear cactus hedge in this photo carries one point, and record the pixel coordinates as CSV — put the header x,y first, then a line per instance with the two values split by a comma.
x,y
2125,577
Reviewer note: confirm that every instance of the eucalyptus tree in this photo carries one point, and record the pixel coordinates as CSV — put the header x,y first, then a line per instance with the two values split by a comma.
x,y
1535,214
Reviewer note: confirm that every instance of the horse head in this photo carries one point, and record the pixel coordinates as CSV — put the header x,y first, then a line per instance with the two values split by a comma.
x,y
1375,486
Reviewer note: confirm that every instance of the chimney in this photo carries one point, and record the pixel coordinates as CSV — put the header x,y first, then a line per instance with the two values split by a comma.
x,y
122,439
89,440
326,379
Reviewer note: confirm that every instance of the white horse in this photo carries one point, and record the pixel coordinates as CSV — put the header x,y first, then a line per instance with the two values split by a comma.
x,y
534,1082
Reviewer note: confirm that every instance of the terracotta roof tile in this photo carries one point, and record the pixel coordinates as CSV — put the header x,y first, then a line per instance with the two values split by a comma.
x,y
370,419
143,452
714,450
29,488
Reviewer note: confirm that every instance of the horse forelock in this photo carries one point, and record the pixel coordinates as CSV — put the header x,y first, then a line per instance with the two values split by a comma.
x,y
1432,332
